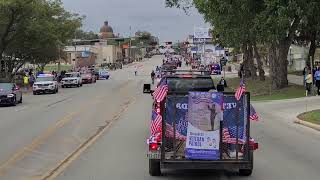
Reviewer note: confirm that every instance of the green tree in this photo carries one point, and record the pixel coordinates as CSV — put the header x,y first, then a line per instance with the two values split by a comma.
x,y
232,21
269,22
309,31
80,34
34,31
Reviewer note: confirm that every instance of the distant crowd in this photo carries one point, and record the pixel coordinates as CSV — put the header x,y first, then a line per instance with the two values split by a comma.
x,y
311,77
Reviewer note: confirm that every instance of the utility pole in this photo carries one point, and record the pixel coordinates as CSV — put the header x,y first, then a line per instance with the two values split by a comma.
x,y
59,58
129,50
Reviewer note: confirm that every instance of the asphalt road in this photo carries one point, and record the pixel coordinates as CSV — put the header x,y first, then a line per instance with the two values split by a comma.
x,y
37,135
287,151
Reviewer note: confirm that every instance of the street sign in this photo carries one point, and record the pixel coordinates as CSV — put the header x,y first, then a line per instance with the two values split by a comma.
x,y
201,33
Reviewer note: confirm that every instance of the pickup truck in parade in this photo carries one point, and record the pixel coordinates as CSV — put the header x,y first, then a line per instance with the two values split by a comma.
x,y
195,126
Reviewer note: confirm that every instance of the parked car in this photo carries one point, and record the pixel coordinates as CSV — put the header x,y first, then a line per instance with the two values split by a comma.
x,y
88,78
103,74
94,72
10,94
45,83
71,79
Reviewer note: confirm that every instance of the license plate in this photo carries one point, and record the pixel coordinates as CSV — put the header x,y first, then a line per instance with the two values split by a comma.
x,y
153,155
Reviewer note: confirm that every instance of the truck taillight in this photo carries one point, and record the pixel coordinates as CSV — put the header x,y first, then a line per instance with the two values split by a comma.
x,y
153,147
254,146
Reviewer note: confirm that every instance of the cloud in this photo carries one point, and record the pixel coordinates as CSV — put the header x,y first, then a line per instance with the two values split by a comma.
x,y
150,15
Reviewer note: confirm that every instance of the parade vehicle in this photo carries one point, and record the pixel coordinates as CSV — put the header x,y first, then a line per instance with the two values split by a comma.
x,y
45,83
88,78
71,79
195,127
94,72
216,69
10,94
103,74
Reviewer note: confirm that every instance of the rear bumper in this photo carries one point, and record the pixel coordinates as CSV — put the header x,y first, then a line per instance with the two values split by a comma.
x,y
216,165
44,90
69,84
104,77
6,101
86,81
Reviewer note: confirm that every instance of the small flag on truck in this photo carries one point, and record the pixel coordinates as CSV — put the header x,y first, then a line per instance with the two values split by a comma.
x,y
156,121
160,93
241,89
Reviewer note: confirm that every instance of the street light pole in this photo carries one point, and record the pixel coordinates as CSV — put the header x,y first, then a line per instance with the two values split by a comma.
x,y
129,50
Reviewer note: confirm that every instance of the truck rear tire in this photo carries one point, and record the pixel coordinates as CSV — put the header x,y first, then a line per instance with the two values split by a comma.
x,y
154,167
245,172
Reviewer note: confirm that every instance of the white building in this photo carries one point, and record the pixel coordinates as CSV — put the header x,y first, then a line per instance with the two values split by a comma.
x,y
297,57
104,53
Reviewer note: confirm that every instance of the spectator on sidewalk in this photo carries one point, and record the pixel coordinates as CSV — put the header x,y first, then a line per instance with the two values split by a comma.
x,y
305,73
223,82
32,79
317,79
135,71
25,82
308,80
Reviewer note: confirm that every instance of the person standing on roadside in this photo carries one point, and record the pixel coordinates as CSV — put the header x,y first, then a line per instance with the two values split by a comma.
x,y
32,79
25,82
317,79
308,80
153,75
135,71
304,73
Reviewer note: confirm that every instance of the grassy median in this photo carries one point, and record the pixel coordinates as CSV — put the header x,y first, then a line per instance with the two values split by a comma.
x,y
297,73
312,116
261,90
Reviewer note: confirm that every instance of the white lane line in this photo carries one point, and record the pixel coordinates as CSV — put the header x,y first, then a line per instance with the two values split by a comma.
x,y
21,109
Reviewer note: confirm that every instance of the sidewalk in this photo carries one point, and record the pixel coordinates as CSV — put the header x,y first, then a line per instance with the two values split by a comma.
x,y
294,79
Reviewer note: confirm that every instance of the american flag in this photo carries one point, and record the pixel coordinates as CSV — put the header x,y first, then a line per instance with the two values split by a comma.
x,y
170,133
160,93
155,138
241,89
253,114
229,135
155,123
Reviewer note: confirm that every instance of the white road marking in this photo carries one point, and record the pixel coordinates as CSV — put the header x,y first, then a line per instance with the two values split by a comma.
x,y
21,109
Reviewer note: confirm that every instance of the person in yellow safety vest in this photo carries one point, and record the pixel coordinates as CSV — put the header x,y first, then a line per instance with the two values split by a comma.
x,y
26,82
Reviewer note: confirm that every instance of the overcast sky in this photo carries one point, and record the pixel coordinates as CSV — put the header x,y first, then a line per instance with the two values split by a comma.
x,y
151,15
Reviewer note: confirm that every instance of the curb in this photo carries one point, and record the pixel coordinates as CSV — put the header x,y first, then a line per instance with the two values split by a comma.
x,y
308,124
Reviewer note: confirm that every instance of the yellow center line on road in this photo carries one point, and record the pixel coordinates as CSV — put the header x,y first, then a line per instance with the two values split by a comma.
x,y
22,153
64,164
42,138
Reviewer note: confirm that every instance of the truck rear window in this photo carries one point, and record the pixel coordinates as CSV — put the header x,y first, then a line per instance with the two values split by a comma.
x,y
190,84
